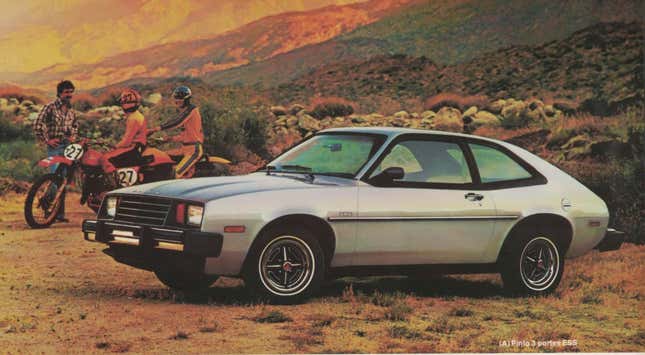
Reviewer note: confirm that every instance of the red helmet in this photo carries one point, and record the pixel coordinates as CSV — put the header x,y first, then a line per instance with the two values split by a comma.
x,y
130,99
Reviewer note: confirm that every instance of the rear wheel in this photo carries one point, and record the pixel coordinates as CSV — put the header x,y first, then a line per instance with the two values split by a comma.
x,y
286,265
41,205
532,264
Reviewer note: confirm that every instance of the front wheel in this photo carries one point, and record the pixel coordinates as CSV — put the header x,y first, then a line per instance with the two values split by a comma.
x,y
285,265
183,280
44,201
533,264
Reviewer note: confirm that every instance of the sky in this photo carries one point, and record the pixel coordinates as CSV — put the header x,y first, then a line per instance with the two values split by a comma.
x,y
35,34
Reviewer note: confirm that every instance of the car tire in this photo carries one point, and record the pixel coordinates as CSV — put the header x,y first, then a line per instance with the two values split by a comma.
x,y
285,265
184,280
532,263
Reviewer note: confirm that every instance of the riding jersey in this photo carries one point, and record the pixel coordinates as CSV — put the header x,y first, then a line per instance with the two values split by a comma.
x,y
190,121
136,130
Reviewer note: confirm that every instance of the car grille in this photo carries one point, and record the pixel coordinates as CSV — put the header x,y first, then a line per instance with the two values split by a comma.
x,y
143,210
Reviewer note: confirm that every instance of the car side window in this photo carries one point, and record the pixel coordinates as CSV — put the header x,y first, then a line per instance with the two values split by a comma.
x,y
494,165
425,161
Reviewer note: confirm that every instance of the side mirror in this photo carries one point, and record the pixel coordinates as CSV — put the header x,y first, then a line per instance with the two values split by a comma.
x,y
387,176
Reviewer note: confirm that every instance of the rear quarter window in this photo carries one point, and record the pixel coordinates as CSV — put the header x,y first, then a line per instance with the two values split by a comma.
x,y
495,166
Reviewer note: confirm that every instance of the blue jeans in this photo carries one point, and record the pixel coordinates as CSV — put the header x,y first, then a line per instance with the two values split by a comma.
x,y
52,152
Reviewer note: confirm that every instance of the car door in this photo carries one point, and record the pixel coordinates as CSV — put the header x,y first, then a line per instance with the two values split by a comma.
x,y
432,215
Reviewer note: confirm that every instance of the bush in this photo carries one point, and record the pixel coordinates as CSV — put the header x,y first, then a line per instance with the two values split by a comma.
x,y
224,129
18,160
10,131
332,109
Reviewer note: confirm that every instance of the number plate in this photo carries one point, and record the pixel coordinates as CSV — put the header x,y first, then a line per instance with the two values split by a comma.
x,y
73,152
127,177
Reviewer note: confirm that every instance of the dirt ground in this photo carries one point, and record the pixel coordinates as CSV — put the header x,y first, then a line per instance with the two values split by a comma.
x,y
59,293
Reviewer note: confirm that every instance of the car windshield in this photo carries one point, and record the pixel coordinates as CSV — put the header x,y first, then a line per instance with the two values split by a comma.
x,y
329,154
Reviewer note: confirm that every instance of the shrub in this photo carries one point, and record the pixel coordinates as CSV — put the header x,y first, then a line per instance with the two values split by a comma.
x,y
10,131
398,312
331,109
272,317
18,160
84,102
461,102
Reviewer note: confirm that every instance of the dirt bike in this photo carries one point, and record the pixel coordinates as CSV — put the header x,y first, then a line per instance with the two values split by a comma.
x,y
80,164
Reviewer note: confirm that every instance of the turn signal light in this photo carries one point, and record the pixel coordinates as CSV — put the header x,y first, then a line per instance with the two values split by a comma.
x,y
234,229
180,213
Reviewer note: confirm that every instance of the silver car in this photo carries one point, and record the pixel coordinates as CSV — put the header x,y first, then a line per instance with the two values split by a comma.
x,y
364,201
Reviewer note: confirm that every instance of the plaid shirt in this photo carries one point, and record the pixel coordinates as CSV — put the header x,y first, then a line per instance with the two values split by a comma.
x,y
54,123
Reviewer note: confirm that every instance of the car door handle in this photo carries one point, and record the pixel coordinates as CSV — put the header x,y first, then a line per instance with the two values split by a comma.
x,y
471,196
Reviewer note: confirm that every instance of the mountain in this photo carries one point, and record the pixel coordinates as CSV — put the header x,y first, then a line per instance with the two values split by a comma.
x,y
254,42
445,31
42,33
600,67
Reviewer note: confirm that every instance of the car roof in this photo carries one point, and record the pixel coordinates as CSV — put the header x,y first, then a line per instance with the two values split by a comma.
x,y
396,131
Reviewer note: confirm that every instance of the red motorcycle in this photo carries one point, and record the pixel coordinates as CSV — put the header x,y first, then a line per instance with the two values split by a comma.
x,y
81,165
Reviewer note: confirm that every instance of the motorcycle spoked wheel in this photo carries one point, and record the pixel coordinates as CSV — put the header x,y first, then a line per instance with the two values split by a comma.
x,y
41,207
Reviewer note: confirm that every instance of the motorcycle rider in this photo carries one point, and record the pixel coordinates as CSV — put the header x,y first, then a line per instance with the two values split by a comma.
x,y
56,126
191,134
128,150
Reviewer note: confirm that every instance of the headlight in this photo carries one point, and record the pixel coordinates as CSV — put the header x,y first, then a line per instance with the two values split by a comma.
x,y
195,214
110,205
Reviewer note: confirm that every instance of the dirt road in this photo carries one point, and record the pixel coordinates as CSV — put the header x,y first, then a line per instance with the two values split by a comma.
x,y
61,294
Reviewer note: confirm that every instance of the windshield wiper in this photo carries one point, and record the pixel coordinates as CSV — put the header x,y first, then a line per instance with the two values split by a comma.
x,y
304,170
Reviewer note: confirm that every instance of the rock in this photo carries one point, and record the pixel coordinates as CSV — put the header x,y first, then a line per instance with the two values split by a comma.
x,y
27,103
398,122
485,118
308,123
428,115
295,109
496,106
32,116
567,107
513,109
153,99
13,101
549,110
326,122
358,119
291,121
402,115
448,119
278,110
470,112
3,102
414,115
282,121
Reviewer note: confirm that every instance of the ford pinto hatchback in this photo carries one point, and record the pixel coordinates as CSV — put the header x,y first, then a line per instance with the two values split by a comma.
x,y
367,201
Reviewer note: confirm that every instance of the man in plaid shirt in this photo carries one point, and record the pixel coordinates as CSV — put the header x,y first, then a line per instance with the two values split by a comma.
x,y
56,127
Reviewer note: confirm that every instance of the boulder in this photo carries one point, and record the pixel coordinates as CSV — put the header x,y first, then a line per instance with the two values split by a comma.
x,y
402,115
496,106
470,112
295,109
278,110
27,103
291,121
308,123
513,109
358,119
567,107
3,102
549,110
282,121
13,101
428,115
32,116
485,118
415,115
153,99
448,119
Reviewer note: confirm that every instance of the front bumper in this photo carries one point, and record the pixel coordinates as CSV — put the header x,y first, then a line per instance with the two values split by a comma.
x,y
149,239
612,240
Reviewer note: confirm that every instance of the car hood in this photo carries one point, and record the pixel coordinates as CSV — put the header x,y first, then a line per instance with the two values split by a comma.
x,y
211,188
